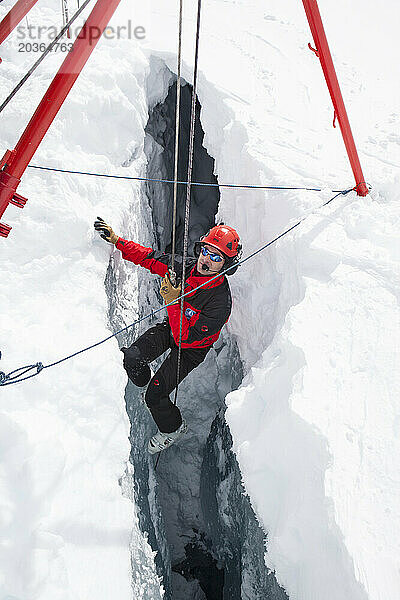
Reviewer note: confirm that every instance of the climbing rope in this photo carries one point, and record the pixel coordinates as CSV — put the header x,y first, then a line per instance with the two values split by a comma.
x,y
65,15
16,375
188,191
43,56
172,181
177,130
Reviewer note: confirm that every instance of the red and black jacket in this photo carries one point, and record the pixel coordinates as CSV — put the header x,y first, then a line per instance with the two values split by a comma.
x,y
205,311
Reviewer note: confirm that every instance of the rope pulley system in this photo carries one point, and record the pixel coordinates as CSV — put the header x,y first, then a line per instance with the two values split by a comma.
x,y
14,162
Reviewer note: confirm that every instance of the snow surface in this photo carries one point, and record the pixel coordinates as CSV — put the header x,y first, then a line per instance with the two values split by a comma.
x,y
316,422
66,528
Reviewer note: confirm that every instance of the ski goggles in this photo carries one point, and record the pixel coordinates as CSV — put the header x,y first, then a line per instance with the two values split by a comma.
x,y
213,256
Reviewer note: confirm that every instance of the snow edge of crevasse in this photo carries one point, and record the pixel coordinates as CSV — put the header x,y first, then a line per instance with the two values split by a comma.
x,y
272,294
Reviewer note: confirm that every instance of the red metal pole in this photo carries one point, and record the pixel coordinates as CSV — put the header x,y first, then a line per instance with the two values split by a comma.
x,y
16,14
324,55
14,163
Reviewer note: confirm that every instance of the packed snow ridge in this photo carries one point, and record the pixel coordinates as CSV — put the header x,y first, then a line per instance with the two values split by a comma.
x,y
315,421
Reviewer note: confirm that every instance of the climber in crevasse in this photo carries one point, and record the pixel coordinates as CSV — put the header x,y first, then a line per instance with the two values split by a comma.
x,y
206,310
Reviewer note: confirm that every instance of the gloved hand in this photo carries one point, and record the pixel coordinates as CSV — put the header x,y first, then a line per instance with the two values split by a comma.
x,y
168,291
105,231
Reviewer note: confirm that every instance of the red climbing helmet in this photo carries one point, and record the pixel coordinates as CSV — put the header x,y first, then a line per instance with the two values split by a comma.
x,y
225,238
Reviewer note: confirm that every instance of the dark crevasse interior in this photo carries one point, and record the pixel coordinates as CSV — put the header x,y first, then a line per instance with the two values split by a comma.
x,y
193,508
160,150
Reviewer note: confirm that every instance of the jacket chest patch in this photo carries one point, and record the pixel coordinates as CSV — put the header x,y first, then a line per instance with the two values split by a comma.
x,y
189,313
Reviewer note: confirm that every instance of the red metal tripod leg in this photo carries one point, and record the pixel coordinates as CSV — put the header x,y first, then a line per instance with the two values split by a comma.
x,y
324,55
14,163
16,14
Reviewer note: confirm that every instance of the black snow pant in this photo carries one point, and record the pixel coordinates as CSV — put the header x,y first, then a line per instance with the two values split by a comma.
x,y
149,346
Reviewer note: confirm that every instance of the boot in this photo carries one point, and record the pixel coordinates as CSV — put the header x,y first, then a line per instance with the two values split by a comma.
x,y
161,441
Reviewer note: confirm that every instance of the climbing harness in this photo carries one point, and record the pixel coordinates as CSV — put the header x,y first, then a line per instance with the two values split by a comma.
x,y
14,376
43,56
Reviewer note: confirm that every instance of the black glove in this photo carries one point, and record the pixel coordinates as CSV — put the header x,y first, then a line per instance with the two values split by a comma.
x,y
105,231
